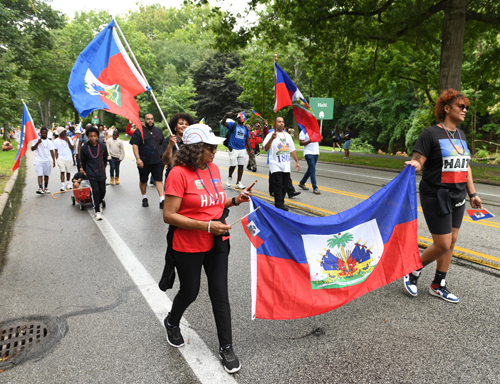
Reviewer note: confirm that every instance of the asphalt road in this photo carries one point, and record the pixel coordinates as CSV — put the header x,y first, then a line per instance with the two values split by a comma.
x,y
93,279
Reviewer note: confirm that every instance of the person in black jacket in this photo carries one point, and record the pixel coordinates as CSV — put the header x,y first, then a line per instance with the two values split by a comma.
x,y
94,158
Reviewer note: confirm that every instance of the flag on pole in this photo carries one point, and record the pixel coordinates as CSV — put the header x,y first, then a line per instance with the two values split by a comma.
x,y
202,121
287,94
104,77
305,266
28,133
256,113
242,116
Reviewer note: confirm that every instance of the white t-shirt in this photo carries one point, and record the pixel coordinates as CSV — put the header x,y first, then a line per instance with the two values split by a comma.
x,y
63,149
279,153
42,152
311,148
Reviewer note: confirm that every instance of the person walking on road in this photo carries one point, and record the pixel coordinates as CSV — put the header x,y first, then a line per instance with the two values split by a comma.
x,y
94,158
63,147
147,152
311,154
443,153
116,154
280,147
179,122
44,153
239,138
195,208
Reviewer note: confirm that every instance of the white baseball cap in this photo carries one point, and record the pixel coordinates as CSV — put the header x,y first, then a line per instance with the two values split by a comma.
x,y
201,133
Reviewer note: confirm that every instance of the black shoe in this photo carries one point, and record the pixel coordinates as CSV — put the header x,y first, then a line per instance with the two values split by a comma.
x,y
271,194
145,202
161,204
103,203
174,336
229,359
282,207
293,194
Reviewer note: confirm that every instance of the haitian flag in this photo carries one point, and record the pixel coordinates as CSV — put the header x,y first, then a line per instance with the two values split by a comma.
x,y
256,113
242,116
288,94
479,214
104,77
305,266
28,133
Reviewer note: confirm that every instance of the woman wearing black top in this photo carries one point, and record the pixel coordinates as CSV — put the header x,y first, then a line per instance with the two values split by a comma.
x,y
442,152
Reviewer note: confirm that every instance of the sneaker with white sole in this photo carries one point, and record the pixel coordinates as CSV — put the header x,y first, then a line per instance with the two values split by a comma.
x,y
98,216
40,191
442,291
302,186
316,191
228,181
410,282
229,359
174,336
240,186
69,186
46,190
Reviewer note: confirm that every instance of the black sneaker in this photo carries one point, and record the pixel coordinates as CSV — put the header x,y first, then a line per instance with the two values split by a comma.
x,y
174,336
282,207
229,359
293,194
145,202
161,204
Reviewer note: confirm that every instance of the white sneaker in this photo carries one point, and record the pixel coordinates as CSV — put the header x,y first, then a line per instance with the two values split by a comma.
x,y
69,186
240,186
98,216
228,181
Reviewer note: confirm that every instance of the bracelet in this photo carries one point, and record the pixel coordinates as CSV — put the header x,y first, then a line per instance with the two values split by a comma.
x,y
234,202
473,195
138,158
210,222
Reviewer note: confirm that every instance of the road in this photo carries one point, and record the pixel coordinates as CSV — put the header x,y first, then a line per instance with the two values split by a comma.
x,y
96,284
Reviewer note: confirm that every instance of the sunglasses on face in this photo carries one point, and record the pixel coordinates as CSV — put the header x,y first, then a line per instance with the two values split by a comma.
x,y
210,147
463,107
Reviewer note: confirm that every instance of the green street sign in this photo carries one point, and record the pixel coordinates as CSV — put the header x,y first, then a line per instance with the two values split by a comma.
x,y
95,120
322,108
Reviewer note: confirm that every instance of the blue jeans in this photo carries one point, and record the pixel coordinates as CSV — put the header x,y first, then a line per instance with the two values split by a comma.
x,y
114,167
311,170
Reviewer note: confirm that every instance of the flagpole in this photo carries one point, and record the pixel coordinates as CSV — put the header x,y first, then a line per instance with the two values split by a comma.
x,y
144,77
275,60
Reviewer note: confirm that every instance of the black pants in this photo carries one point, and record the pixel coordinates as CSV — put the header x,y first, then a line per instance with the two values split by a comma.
x,y
114,167
98,189
188,267
280,182
289,187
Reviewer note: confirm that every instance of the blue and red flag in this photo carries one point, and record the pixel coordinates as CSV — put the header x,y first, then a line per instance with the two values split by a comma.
x,y
287,94
256,113
104,77
305,266
28,133
479,214
242,116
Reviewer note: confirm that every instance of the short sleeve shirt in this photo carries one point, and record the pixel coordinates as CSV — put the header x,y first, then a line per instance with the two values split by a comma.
x,y
448,159
42,152
279,153
63,150
203,198
150,150
311,148
238,136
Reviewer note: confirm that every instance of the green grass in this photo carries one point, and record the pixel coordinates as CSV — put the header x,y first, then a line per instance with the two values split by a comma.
x,y
6,163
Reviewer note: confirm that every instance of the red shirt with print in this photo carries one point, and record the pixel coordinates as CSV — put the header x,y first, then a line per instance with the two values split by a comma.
x,y
196,204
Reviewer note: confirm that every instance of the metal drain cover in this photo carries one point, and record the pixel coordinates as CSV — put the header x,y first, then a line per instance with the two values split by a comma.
x,y
28,338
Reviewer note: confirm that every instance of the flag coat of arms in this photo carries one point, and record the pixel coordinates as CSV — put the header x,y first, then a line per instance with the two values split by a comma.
x,y
104,77
306,266
28,133
287,94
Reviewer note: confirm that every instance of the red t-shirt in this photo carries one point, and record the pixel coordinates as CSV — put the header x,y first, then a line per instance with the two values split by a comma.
x,y
196,204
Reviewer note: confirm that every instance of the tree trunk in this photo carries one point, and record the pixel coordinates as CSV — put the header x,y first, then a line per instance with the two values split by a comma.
x,y
450,68
46,111
77,117
101,116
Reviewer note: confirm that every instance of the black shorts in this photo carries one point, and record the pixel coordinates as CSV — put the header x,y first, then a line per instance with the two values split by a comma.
x,y
156,171
440,224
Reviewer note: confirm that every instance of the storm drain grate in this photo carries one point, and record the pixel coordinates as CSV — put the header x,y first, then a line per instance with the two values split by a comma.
x,y
21,337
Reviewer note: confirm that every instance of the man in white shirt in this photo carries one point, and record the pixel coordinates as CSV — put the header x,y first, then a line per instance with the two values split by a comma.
x,y
63,146
280,147
311,153
44,152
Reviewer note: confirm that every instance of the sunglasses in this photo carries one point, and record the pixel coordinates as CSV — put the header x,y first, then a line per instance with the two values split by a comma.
x,y
463,107
210,147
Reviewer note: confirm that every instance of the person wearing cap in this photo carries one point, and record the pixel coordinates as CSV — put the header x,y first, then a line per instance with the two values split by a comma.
x,y
178,122
195,208
239,138
63,146
147,152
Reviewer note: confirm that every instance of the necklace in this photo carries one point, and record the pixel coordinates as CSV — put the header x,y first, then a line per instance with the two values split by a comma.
x,y
451,141
62,143
90,151
204,186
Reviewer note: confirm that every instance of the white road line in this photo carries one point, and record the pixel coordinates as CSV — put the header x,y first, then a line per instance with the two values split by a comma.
x,y
200,358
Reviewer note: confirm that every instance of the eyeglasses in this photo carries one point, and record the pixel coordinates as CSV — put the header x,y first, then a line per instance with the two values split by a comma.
x,y
463,107
210,147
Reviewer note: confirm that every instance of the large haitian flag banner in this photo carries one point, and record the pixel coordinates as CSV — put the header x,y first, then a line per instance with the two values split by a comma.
x,y
305,266
104,77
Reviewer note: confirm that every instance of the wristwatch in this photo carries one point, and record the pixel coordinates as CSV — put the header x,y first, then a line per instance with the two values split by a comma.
x,y
473,195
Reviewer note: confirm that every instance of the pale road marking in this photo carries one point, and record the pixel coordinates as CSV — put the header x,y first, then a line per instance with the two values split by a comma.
x,y
200,358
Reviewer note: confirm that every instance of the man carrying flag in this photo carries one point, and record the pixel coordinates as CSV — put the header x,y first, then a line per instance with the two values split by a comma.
x,y
27,134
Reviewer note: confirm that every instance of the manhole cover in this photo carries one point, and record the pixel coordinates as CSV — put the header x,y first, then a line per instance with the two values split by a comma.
x,y
28,338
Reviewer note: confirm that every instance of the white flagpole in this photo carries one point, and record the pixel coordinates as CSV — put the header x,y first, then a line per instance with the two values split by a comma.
x,y
144,77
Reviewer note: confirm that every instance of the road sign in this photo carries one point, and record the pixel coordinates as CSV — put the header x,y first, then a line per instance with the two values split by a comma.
x,y
322,108
95,120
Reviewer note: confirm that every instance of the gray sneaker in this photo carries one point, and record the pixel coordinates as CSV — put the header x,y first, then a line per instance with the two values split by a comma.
x,y
302,186
316,191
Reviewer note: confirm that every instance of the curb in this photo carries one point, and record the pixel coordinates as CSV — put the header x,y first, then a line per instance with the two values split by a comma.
x,y
4,199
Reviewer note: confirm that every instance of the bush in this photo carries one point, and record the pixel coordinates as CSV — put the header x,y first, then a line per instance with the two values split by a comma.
x,y
361,146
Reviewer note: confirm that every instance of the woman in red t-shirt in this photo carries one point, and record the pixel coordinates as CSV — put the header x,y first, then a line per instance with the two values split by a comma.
x,y
195,202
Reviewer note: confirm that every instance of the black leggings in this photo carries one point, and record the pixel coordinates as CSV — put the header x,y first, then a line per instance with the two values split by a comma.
x,y
98,189
188,267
